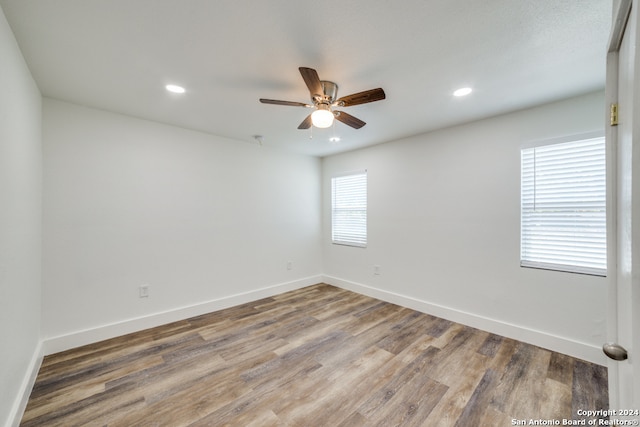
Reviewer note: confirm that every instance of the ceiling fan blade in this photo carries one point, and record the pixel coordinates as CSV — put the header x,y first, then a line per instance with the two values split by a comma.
x,y
306,123
310,77
361,97
290,103
349,120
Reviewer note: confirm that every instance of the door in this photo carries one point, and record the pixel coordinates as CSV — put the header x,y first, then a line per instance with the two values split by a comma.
x,y
624,150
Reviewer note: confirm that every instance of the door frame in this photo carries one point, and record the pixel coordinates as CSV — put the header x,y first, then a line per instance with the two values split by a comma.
x,y
621,13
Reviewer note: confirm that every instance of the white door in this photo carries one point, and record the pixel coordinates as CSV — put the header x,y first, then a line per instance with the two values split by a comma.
x,y
624,141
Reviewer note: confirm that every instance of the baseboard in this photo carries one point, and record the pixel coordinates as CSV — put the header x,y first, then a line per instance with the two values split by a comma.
x,y
541,339
88,336
22,398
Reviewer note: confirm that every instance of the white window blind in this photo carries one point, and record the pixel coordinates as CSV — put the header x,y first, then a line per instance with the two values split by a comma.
x,y
349,210
563,217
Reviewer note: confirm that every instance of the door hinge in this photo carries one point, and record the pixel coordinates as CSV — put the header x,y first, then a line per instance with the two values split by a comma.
x,y
614,115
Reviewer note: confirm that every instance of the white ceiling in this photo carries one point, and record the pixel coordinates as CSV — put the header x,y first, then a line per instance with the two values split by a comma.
x,y
117,55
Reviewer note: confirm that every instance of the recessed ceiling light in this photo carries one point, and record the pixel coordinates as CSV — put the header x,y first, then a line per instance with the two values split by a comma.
x,y
334,139
175,88
464,91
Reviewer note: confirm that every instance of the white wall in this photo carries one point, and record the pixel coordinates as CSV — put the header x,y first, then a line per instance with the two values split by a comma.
x,y
198,218
444,227
204,221
20,225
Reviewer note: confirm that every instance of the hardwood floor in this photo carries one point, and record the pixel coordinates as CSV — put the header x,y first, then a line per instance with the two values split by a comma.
x,y
318,356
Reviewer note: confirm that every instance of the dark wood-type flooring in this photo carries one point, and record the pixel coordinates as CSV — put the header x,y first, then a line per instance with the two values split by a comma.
x,y
318,356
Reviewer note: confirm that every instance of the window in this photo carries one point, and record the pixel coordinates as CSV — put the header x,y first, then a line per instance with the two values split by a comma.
x,y
563,207
349,209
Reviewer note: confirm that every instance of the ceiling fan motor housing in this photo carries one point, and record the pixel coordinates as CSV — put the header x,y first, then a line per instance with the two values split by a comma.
x,y
330,90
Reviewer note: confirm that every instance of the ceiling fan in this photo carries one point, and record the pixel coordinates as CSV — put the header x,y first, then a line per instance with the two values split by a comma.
x,y
324,97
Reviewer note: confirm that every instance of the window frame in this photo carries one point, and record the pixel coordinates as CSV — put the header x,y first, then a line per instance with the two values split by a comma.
x,y
342,232
596,212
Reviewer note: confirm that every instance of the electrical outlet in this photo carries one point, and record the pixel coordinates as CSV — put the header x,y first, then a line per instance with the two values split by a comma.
x,y
376,270
289,265
144,291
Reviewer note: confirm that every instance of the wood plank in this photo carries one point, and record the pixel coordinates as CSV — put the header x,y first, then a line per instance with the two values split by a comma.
x,y
589,387
491,345
561,368
475,408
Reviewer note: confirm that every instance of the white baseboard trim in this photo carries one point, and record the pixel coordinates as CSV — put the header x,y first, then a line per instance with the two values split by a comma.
x,y
92,335
542,339
22,398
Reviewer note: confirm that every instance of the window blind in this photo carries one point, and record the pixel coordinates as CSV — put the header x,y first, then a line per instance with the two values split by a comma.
x,y
349,210
563,207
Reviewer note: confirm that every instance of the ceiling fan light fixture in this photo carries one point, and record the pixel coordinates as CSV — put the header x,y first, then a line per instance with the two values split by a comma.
x,y
322,117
